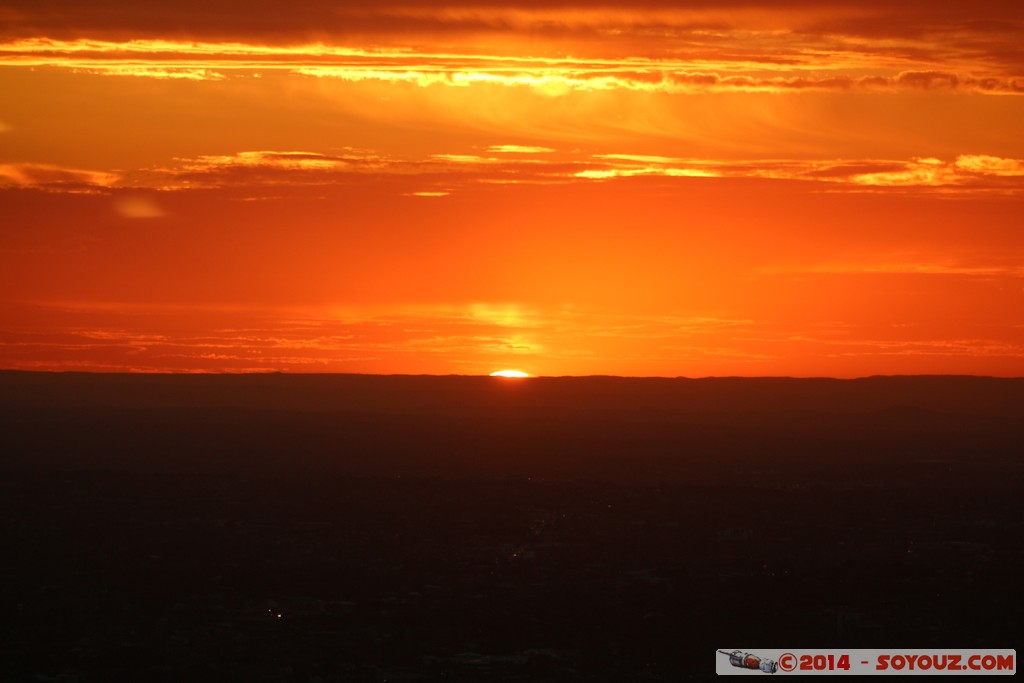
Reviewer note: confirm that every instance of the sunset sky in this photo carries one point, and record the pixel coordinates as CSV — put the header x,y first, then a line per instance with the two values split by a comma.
x,y
710,187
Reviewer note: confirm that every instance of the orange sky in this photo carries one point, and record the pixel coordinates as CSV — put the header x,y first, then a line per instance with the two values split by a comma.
x,y
646,188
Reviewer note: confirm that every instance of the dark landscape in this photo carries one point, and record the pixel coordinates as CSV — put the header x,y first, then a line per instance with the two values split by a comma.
x,y
386,528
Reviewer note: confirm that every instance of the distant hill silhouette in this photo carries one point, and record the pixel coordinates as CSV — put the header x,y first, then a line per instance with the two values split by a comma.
x,y
397,394
605,427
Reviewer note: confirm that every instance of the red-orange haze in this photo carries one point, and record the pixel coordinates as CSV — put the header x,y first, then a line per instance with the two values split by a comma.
x,y
710,187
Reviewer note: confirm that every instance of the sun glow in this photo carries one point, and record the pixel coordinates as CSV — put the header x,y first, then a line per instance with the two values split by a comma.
x,y
451,185
509,373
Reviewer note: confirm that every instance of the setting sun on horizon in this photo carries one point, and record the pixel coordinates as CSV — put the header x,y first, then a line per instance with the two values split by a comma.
x,y
650,188
509,373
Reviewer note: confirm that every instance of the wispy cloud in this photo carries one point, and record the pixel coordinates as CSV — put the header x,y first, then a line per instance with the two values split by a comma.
x,y
968,172
444,173
56,178
921,268
518,149
464,338
985,30
990,165
809,68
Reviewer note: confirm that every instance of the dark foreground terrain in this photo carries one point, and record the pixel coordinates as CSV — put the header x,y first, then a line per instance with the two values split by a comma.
x,y
357,528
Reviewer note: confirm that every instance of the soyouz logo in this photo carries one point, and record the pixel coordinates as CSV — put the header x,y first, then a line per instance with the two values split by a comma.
x,y
866,662
745,660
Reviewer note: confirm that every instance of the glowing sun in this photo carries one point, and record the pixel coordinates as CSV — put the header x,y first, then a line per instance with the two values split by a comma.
x,y
509,373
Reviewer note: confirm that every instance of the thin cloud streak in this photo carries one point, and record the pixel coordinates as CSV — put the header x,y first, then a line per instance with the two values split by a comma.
x,y
966,173
909,268
704,71
467,339
57,178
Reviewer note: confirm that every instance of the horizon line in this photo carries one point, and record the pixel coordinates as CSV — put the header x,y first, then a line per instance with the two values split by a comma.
x,y
157,373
